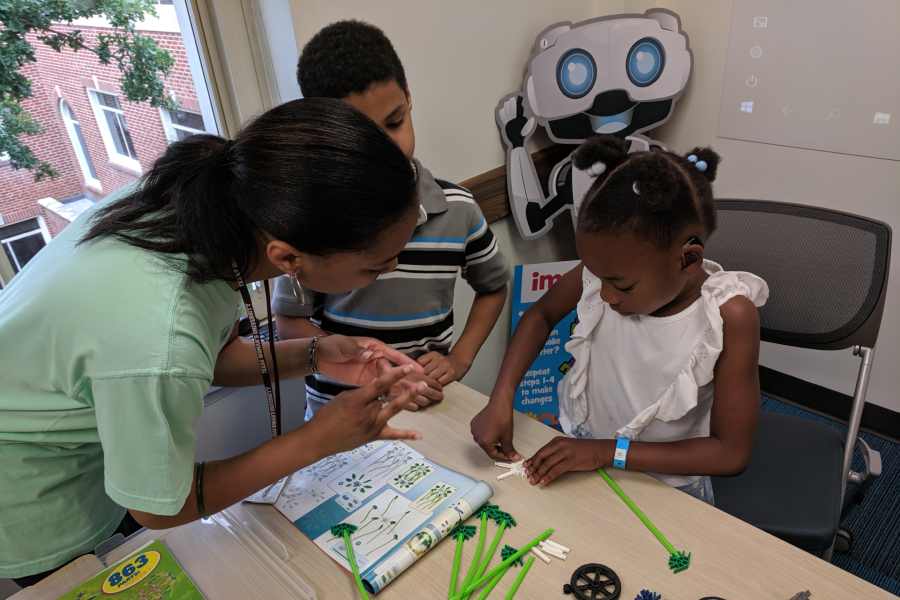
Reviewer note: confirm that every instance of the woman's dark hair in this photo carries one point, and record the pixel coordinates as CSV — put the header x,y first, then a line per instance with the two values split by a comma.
x,y
314,173
654,194
347,57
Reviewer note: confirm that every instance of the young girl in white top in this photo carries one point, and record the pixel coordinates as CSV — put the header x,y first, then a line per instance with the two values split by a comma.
x,y
666,344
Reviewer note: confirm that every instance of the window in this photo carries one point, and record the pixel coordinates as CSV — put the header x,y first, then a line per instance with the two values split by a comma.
x,y
76,137
99,136
180,124
22,241
114,129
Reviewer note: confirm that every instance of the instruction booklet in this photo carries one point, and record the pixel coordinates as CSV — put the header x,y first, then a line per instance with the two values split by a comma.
x,y
401,503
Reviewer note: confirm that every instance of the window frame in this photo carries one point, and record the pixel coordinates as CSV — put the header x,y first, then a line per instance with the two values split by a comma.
x,y
41,231
171,128
115,157
79,146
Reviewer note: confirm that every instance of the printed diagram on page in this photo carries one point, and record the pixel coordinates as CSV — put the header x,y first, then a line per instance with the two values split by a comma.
x,y
381,524
411,475
436,494
353,486
308,488
390,460
301,495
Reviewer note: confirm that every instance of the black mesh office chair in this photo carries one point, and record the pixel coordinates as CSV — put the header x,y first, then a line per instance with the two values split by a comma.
x,y
827,273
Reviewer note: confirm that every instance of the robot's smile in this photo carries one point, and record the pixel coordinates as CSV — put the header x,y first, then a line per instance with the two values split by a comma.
x,y
611,123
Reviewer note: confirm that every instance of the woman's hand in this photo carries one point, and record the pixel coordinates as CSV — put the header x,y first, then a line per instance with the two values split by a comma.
x,y
359,360
492,429
356,417
564,454
356,360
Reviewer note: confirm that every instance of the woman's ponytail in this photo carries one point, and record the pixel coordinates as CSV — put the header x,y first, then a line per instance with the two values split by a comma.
x,y
314,173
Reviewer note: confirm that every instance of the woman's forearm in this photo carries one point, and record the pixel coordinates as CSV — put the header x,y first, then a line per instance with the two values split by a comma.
x,y
290,328
233,479
237,364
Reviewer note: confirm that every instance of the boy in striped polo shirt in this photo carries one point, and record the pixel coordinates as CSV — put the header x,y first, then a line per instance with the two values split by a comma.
x,y
411,307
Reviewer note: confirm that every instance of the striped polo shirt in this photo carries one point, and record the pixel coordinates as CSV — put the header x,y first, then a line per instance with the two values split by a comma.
x,y
410,308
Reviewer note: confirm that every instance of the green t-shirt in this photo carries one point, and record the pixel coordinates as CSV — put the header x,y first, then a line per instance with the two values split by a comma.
x,y
106,354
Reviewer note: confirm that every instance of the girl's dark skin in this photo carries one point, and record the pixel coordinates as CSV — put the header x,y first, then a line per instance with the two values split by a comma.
x,y
638,278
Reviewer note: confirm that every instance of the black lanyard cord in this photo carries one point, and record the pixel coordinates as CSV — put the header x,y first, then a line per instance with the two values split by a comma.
x,y
273,398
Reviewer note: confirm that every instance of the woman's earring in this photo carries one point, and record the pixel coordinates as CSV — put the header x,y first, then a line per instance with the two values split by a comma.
x,y
302,295
296,289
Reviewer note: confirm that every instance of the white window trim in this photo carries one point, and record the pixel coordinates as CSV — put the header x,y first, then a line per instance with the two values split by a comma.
x,y
170,127
121,160
80,156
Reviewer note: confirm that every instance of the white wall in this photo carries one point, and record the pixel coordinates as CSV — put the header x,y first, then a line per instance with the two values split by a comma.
x,y
867,186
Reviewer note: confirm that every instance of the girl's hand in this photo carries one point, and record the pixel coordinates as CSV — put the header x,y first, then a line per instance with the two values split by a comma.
x,y
492,429
356,417
356,360
564,454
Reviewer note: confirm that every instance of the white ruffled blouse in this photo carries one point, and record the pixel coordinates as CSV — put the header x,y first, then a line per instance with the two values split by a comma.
x,y
649,378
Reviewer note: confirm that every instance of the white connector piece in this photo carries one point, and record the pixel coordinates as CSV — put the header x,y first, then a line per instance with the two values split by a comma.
x,y
540,555
516,468
554,552
558,546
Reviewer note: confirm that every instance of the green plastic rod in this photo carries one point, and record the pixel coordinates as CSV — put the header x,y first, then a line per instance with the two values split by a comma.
x,y
492,549
638,512
493,572
476,558
351,558
679,560
505,553
454,573
519,579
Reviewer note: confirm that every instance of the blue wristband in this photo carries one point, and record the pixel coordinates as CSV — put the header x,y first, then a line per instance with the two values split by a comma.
x,y
621,455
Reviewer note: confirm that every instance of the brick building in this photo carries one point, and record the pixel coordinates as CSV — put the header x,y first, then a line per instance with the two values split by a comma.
x,y
95,139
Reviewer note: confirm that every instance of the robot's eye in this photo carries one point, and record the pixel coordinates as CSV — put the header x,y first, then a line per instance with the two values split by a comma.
x,y
645,62
576,73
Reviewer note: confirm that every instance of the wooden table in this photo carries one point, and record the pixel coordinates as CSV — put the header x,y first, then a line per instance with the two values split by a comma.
x,y
731,559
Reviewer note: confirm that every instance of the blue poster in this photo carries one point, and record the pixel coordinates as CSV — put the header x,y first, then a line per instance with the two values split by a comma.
x,y
537,394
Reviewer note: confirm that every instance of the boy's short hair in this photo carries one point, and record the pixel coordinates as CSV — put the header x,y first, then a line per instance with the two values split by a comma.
x,y
346,58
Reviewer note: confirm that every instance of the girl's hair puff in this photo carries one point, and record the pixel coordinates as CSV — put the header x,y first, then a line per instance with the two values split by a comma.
x,y
654,194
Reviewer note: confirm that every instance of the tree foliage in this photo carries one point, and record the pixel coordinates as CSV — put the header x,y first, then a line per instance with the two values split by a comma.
x,y
141,61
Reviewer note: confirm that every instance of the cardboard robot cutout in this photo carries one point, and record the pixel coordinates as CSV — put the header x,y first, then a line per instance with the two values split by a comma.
x,y
617,75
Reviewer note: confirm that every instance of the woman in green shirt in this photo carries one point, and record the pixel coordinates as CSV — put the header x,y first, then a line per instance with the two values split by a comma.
x,y
111,336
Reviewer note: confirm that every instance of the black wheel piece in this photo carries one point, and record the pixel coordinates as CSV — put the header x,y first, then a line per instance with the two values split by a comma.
x,y
594,581
843,541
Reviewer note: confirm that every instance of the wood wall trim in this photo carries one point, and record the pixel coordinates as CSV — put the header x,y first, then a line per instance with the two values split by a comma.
x,y
489,188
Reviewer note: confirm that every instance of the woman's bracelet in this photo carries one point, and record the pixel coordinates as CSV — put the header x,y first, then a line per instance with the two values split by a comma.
x,y
314,355
199,468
